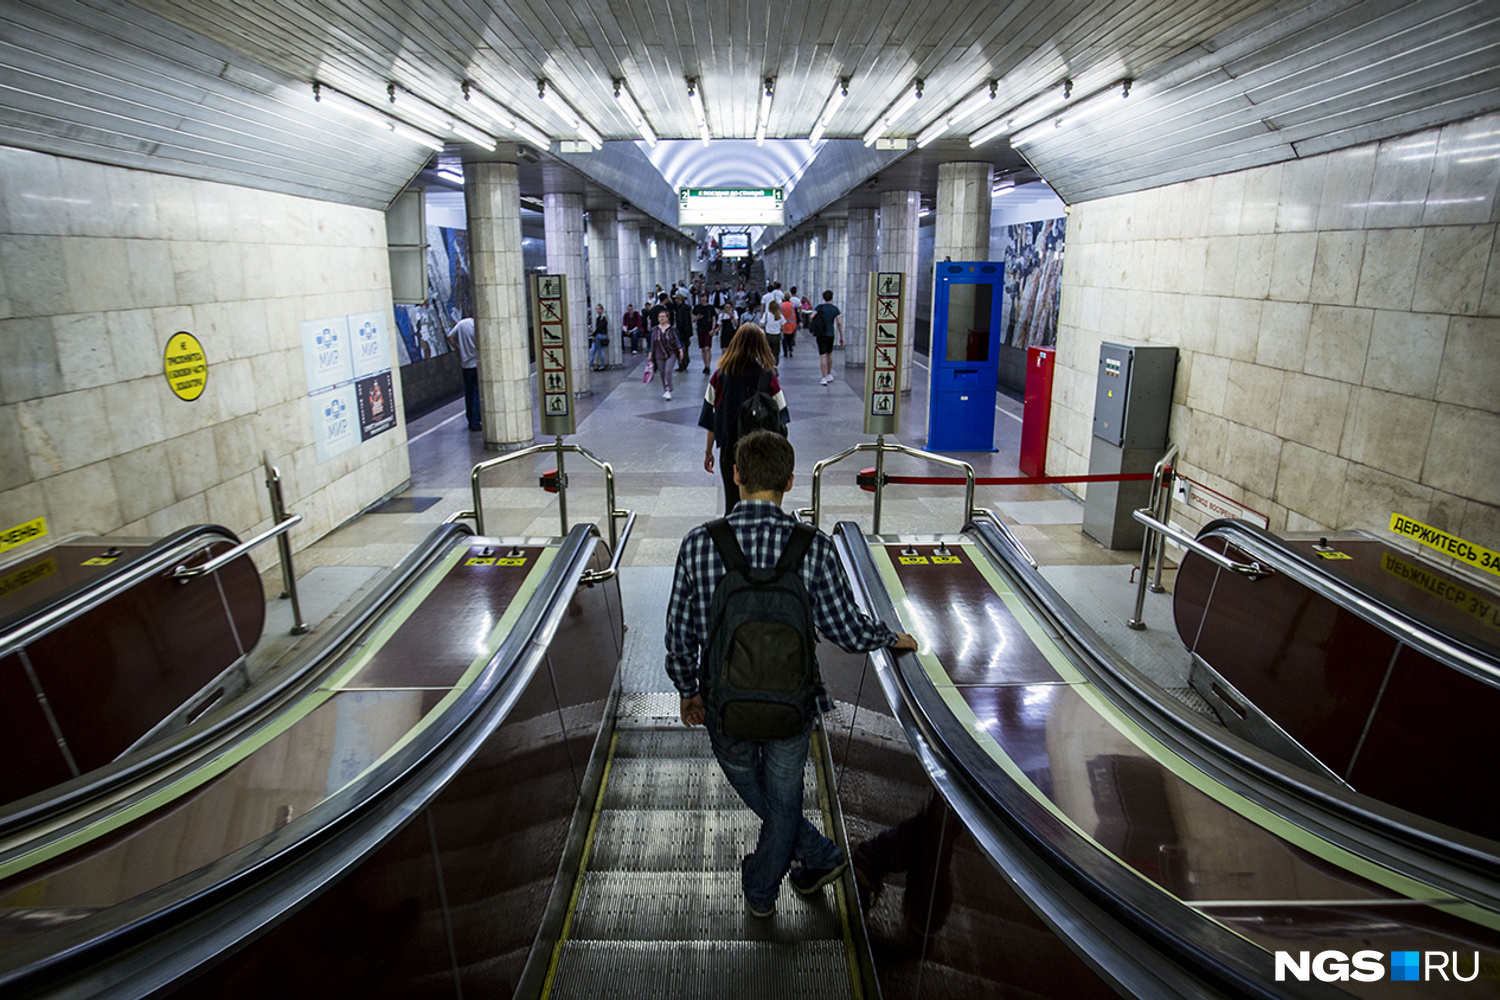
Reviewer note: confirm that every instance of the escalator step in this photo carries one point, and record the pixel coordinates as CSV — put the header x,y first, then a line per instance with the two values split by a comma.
x,y
677,783
675,840
725,970
677,742
692,906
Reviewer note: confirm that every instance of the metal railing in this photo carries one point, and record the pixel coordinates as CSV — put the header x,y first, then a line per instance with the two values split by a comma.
x,y
283,545
184,573
560,448
881,449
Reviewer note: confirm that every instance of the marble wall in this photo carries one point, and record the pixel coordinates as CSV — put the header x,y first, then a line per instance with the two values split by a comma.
x,y
1338,319
98,267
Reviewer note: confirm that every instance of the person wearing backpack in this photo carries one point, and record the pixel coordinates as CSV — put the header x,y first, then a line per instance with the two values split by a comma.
x,y
742,396
749,593
824,319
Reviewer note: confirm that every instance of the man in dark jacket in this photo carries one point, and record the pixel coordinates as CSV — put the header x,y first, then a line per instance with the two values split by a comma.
x,y
684,324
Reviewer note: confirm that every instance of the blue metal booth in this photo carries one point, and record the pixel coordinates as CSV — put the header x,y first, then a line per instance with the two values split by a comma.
x,y
966,298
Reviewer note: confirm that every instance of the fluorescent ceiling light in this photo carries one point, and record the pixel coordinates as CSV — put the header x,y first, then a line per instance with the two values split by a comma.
x,y
406,103
696,100
491,109
572,118
970,105
330,98
839,94
1025,114
1102,101
912,95
633,113
766,96
469,134
449,174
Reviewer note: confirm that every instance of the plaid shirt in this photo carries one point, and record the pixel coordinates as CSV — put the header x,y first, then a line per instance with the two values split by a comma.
x,y
762,528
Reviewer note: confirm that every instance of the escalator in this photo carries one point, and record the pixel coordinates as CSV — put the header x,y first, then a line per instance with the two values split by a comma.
x,y
1025,785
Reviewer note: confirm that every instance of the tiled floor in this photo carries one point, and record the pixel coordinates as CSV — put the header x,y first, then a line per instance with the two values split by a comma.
x,y
656,450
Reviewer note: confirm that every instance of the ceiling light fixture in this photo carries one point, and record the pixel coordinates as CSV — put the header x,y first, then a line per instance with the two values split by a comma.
x,y
433,117
491,109
894,112
696,100
839,94
572,118
338,101
971,105
633,113
1102,101
1024,115
764,117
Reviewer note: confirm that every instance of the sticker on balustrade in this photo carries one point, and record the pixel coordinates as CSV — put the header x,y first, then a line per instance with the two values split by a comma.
x,y
1466,552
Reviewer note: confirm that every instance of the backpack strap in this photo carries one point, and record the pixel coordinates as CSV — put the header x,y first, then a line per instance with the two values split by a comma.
x,y
796,548
723,538
763,383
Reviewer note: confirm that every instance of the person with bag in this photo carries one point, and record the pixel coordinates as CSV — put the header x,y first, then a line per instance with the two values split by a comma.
x,y
599,340
769,321
822,324
666,350
742,396
749,594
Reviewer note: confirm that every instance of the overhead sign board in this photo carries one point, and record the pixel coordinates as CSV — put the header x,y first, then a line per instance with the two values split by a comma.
x,y
731,207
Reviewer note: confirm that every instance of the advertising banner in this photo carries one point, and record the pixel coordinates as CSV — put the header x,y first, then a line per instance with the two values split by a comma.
x,y
350,393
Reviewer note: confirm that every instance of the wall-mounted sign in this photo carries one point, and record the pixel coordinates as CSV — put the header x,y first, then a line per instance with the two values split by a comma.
x,y
554,376
883,354
185,365
349,389
731,207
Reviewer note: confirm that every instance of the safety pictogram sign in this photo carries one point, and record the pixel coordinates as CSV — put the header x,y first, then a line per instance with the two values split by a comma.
x,y
883,353
554,376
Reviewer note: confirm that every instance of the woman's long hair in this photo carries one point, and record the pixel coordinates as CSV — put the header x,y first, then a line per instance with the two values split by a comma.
x,y
748,351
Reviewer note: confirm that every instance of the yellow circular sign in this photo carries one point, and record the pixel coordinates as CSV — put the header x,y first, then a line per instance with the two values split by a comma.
x,y
185,366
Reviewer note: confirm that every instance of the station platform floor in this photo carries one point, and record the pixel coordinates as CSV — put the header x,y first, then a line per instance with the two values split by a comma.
x,y
656,450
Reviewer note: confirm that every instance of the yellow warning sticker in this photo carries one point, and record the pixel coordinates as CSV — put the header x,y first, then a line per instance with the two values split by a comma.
x,y
480,561
1477,605
511,562
913,560
1449,545
946,559
23,533
185,365
99,561
26,576
1335,555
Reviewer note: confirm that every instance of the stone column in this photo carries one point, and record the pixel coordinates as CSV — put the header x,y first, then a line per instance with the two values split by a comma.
x,y
492,198
562,218
860,261
899,219
963,212
604,274
628,239
836,264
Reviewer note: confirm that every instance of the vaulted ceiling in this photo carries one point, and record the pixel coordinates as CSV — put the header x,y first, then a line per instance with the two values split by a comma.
x,y
223,88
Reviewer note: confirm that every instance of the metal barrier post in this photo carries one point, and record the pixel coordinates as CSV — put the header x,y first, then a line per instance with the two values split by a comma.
x,y
1152,537
562,488
284,546
879,478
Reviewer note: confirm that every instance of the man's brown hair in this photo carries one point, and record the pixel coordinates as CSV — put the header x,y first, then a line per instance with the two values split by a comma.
x,y
765,461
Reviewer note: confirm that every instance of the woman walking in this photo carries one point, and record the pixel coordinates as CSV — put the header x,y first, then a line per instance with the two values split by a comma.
x,y
742,369
666,350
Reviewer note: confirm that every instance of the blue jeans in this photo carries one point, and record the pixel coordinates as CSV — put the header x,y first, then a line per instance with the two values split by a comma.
x,y
471,397
596,352
768,776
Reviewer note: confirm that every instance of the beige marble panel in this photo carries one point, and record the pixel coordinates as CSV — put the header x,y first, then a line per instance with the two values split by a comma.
x,y
151,273
1463,455
1335,275
1252,395
1292,266
83,351
64,432
1207,381
22,504
98,273
83,500
1398,191
1239,329
85,189
1252,456
1221,258
31,367
1311,482
133,410
1301,194
1388,273
143,481
1346,188
193,510
36,275
1371,497
1406,350
1226,204
1388,431
238,503
1480,523
194,462
176,207
1470,374
15,468
1200,323
1489,302
1337,342
1262,198
1313,411
1450,277
30,190
133,343
1283,335
1465,174
1256,258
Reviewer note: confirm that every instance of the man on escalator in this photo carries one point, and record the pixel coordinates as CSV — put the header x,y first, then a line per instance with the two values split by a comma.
x,y
729,656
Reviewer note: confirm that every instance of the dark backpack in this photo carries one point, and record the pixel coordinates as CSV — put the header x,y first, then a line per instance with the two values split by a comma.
x,y
816,326
759,411
759,672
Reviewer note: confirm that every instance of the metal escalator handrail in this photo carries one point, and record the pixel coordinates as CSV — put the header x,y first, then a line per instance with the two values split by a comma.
x,y
1459,862
225,721
183,574
1252,571
147,943
1117,924
1406,626
162,556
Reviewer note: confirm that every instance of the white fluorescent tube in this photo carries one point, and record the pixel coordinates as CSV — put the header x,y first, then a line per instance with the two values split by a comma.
x,y
407,103
932,131
504,117
341,102
839,93
469,134
633,113
898,109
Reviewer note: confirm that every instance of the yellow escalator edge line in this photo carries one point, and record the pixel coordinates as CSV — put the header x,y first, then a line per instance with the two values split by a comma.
x,y
583,865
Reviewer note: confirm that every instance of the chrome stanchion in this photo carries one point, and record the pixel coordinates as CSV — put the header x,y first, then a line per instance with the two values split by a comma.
x,y
284,546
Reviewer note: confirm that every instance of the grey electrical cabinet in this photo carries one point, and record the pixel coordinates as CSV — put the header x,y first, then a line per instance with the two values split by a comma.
x,y
1132,405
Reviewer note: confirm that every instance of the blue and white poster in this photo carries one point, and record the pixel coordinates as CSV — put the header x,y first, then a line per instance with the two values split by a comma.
x,y
367,334
325,352
335,419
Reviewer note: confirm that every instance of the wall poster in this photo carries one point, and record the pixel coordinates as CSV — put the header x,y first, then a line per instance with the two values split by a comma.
x,y
1033,255
349,385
